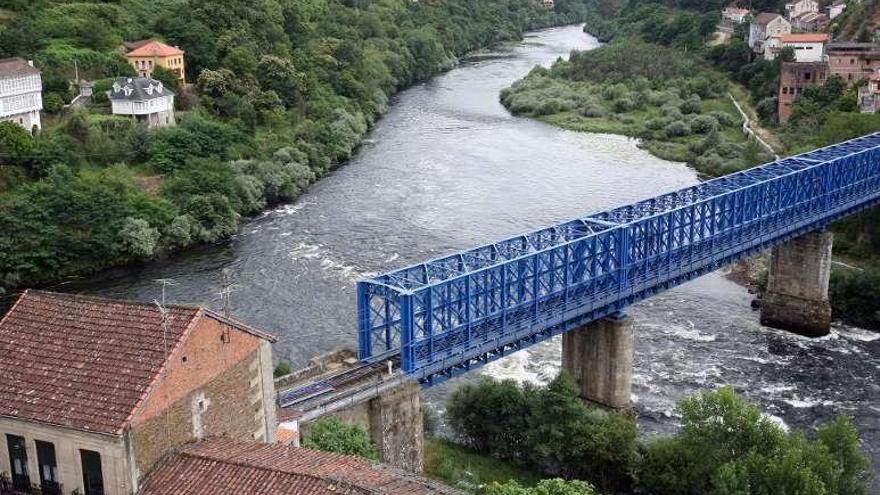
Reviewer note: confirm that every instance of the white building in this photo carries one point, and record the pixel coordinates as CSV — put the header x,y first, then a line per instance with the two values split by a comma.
x,y
808,47
796,9
836,8
766,28
21,93
147,100
735,14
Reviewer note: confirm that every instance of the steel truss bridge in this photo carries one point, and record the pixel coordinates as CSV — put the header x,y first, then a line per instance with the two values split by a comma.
x,y
455,313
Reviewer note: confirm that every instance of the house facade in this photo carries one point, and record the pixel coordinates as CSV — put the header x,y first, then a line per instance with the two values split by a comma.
x,y
21,93
146,55
801,7
836,8
794,78
765,30
146,100
100,390
869,95
808,47
853,62
734,14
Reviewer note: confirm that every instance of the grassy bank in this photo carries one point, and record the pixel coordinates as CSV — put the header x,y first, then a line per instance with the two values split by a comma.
x,y
463,468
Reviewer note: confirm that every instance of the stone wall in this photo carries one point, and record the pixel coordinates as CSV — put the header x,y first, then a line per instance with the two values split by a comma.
x,y
599,356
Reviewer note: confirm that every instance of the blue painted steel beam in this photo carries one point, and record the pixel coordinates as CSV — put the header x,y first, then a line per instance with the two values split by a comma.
x,y
454,313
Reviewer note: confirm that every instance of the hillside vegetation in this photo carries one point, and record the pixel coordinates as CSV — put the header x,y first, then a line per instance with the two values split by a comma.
x,y
283,91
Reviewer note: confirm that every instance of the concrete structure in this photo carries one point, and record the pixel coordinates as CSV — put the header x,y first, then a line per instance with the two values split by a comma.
x,y
869,95
600,358
146,100
224,467
21,93
797,290
801,7
836,8
853,62
97,391
794,78
808,47
766,27
146,55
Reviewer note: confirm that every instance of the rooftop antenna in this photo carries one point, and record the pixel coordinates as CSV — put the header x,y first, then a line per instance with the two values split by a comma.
x,y
226,296
163,310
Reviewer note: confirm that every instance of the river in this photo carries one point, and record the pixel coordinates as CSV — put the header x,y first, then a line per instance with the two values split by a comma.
x,y
448,168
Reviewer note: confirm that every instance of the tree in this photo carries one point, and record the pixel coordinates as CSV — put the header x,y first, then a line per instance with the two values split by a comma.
x,y
279,75
16,144
544,487
333,435
168,78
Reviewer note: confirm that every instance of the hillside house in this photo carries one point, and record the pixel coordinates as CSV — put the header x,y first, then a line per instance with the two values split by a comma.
x,y
869,95
854,62
765,30
801,7
836,8
734,14
146,55
21,93
810,22
794,78
808,47
96,391
143,99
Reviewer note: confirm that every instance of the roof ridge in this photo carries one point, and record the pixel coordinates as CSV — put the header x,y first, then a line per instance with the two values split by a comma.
x,y
110,300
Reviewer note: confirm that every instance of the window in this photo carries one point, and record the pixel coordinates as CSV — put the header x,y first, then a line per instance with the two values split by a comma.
x,y
19,462
48,468
808,75
93,478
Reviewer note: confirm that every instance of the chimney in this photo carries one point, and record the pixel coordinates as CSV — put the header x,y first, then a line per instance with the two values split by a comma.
x,y
31,63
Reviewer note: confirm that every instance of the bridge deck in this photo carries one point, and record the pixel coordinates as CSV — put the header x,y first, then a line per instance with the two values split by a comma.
x,y
450,314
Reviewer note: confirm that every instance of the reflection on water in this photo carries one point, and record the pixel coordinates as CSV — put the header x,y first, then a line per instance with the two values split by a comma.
x,y
449,168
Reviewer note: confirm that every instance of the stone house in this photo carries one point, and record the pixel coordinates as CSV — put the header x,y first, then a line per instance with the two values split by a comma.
x,y
96,391
853,62
734,14
764,32
146,100
801,7
21,93
146,55
836,8
794,78
869,95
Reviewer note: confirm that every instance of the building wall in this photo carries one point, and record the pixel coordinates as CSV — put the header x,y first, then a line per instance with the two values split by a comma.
x,y
853,65
807,52
68,442
802,7
145,65
794,78
212,387
21,100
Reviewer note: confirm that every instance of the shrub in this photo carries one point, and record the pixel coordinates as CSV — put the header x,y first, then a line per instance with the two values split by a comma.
x,y
854,295
677,128
692,104
593,110
138,238
555,486
671,111
703,124
333,435
282,368
725,119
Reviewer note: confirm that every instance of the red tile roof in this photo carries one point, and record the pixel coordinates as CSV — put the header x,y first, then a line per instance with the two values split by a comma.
x,y
765,17
86,362
805,38
154,48
226,466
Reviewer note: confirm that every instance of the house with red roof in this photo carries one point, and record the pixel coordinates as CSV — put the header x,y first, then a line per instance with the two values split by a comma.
x,y
808,47
97,391
146,55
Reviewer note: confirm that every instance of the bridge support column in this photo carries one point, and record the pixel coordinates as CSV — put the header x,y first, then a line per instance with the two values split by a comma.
x,y
797,289
599,356
396,427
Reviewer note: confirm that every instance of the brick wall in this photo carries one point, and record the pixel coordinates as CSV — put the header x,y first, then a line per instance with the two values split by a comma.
x,y
795,77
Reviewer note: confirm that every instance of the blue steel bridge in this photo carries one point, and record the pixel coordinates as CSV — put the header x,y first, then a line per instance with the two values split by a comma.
x,y
449,315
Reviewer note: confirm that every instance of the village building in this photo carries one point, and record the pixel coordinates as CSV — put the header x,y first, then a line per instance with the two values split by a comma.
x,y
143,99
765,31
801,7
869,95
836,8
221,466
810,22
795,77
97,391
21,93
734,14
853,62
808,47
146,55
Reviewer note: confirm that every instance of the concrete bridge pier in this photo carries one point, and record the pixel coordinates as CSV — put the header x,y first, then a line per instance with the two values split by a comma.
x,y
796,298
599,356
396,426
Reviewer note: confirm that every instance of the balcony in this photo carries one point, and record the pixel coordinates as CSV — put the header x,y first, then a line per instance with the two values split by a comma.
x,y
24,487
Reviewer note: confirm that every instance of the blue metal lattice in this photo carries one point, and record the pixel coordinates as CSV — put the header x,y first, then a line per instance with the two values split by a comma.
x,y
451,314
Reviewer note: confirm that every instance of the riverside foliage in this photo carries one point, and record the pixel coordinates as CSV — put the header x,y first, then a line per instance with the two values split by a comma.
x,y
284,91
725,446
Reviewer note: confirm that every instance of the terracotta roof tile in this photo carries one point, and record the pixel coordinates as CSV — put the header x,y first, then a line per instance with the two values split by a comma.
x,y
86,362
805,38
154,48
227,466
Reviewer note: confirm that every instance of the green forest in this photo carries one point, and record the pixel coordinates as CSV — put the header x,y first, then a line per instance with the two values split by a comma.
x,y
659,78
282,91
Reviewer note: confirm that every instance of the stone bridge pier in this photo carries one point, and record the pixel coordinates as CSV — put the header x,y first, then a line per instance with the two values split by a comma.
x,y
599,356
796,298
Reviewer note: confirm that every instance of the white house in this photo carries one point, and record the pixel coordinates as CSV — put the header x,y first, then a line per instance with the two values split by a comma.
x,y
734,14
836,8
808,47
21,93
765,27
796,9
147,100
